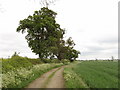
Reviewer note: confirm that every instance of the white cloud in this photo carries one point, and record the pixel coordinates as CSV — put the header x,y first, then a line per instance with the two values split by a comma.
x,y
91,23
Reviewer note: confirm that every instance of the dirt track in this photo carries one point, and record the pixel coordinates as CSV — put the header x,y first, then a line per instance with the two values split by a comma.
x,y
52,79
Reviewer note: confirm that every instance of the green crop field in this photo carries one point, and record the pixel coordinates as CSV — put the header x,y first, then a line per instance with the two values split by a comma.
x,y
92,74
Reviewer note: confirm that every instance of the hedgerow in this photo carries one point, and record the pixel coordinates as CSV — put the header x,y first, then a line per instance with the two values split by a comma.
x,y
23,76
17,71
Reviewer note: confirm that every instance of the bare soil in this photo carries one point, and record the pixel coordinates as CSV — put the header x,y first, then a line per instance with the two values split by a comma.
x,y
57,81
51,79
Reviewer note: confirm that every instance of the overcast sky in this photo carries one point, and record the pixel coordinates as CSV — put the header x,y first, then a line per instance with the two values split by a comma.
x,y
92,24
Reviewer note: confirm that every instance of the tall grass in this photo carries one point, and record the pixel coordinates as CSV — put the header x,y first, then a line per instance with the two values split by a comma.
x,y
96,74
23,76
17,72
72,80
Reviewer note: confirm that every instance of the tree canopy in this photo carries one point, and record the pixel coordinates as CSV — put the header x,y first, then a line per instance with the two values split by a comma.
x,y
45,36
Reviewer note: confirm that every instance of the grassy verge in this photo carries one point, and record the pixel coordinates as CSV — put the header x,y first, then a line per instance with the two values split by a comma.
x,y
23,76
72,80
93,74
17,71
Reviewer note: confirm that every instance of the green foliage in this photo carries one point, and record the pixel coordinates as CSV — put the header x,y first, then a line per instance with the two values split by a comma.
x,y
65,50
70,42
17,71
14,63
17,62
15,54
45,37
72,80
51,61
71,54
96,74
65,61
46,60
35,61
43,31
0,67
23,76
55,61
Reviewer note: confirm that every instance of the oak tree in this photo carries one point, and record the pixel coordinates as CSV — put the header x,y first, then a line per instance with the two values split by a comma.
x,y
42,31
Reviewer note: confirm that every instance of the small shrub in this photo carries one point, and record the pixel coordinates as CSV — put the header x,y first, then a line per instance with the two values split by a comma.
x,y
35,61
65,61
55,61
46,60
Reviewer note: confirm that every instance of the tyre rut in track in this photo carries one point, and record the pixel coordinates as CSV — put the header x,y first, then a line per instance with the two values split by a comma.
x,y
51,79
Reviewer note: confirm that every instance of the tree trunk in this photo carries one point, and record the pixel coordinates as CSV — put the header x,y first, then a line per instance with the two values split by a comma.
x,y
40,56
59,57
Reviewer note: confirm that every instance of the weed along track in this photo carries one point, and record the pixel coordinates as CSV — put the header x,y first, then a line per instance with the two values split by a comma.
x,y
52,79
